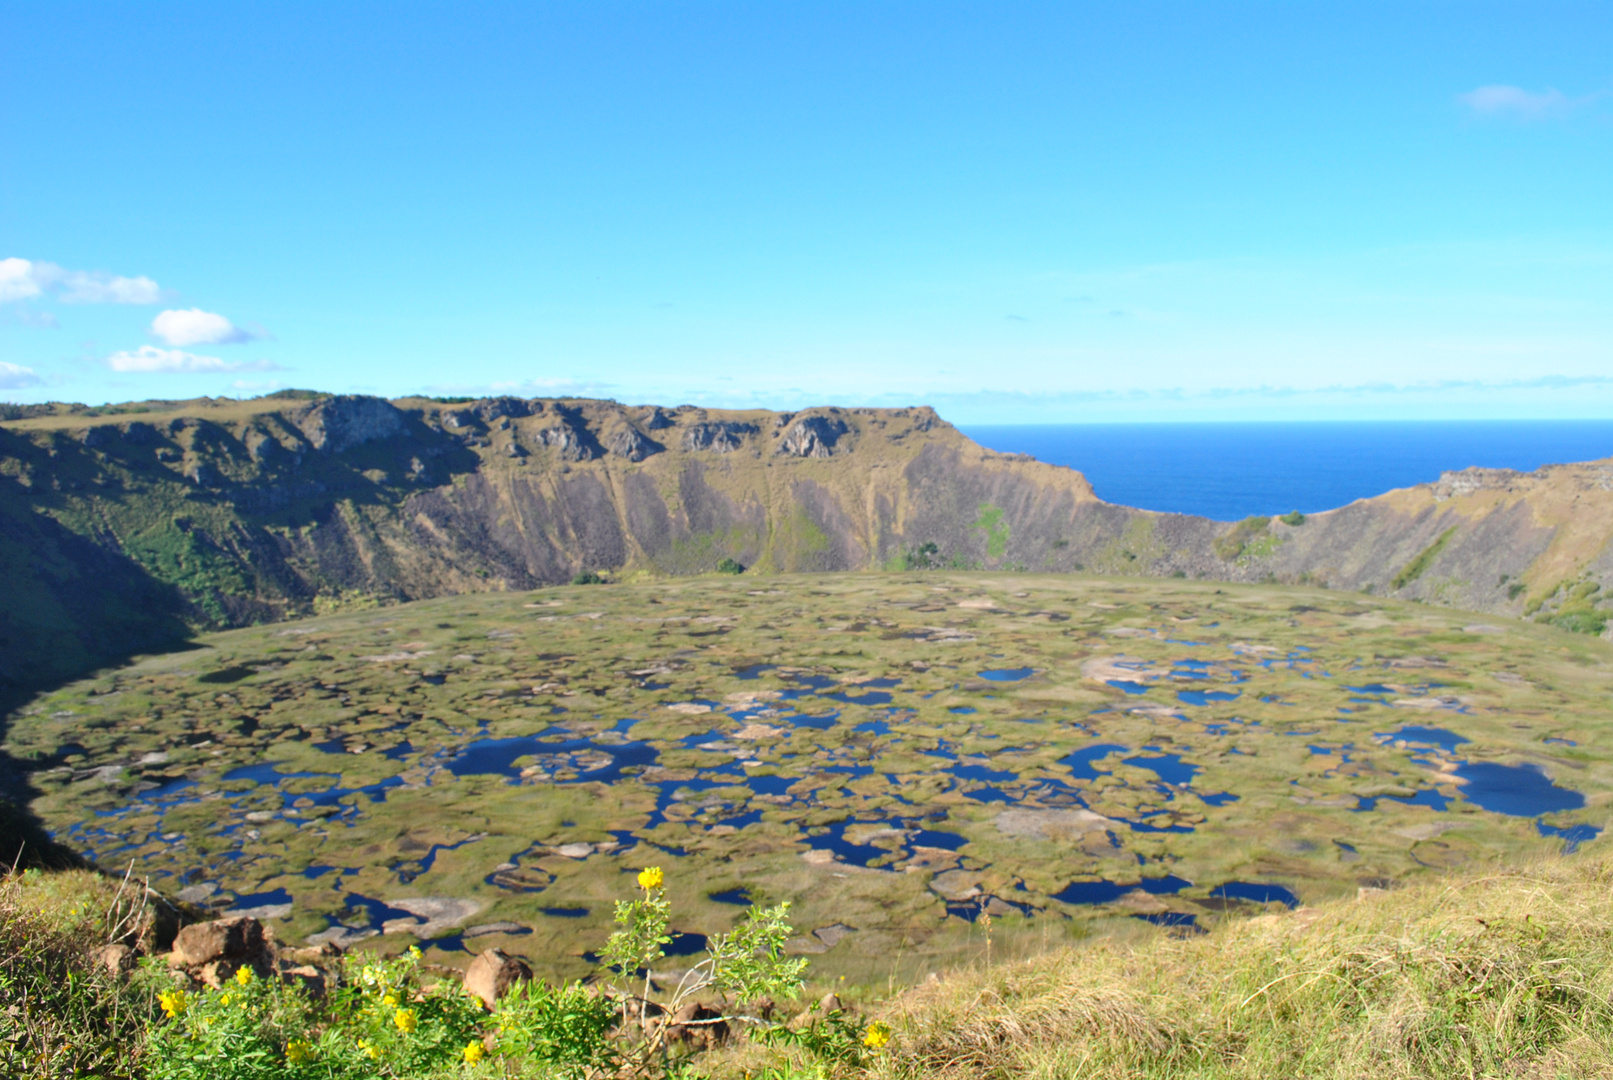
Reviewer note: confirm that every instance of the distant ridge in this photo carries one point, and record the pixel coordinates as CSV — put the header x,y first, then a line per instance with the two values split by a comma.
x,y
126,526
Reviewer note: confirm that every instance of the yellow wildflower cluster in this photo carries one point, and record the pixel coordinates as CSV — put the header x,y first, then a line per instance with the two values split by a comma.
x,y
651,878
173,1002
299,1051
474,1053
244,976
369,1049
877,1035
406,1020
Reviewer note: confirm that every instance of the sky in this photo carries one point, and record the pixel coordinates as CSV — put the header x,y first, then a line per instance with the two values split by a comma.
x,y
1015,212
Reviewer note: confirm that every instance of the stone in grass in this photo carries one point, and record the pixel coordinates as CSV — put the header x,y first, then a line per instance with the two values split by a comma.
x,y
238,939
491,975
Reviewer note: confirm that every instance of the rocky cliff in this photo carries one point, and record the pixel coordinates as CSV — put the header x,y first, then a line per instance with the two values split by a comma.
x,y
122,527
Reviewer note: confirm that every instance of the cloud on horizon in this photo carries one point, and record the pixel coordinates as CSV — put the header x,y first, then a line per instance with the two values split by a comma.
x,y
25,279
1513,101
193,326
17,377
149,359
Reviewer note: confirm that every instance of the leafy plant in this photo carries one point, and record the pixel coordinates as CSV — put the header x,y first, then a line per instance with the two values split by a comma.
x,y
1293,517
588,577
742,965
730,566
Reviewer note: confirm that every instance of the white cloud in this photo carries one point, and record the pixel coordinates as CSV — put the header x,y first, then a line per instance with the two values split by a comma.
x,y
17,280
193,326
24,279
148,359
1514,101
15,376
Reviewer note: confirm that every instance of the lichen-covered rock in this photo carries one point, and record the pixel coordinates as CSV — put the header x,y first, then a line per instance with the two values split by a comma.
x,y
491,975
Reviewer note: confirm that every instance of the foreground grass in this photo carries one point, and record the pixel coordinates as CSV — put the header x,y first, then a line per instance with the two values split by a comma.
x,y
1507,974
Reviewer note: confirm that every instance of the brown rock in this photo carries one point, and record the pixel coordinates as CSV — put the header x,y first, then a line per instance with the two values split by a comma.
x,y
491,975
829,1004
324,953
698,1026
116,960
239,939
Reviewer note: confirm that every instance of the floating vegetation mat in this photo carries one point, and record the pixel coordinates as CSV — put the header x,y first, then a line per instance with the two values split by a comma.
x,y
895,755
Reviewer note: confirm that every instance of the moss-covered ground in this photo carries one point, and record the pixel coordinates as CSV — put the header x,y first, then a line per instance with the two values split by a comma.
x,y
895,754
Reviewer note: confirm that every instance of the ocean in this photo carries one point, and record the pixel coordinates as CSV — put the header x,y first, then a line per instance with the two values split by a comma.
x,y
1231,471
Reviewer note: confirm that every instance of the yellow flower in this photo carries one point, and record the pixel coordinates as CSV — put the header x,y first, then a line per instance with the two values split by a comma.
x,y
225,1000
877,1035
173,1002
390,1001
474,1053
414,951
244,976
651,878
405,1019
298,1051
371,1051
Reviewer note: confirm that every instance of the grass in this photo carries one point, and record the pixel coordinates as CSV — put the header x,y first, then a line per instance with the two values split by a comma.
x,y
61,1014
1505,974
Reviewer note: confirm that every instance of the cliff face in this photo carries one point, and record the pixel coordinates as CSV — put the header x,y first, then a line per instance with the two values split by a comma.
x,y
122,527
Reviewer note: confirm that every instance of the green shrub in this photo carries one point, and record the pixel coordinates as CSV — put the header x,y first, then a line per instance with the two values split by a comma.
x,y
588,577
730,566
1230,545
1293,517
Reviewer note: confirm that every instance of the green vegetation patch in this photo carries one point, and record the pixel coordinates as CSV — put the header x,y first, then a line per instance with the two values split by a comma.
x,y
1423,560
1235,542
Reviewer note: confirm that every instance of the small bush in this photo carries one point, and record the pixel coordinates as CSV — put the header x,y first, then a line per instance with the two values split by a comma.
x,y
1293,517
730,566
588,577
1232,544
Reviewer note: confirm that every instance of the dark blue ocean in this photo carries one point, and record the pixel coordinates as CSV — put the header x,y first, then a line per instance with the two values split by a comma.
x,y
1230,471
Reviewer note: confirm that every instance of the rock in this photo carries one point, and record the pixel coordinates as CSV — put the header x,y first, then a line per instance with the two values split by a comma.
x,y
813,436
239,939
830,1003
725,437
491,975
438,913
632,444
341,937
323,953
116,960
494,928
347,420
698,1026
575,851
195,894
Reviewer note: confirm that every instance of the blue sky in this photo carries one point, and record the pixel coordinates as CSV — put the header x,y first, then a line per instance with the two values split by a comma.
x,y
1012,211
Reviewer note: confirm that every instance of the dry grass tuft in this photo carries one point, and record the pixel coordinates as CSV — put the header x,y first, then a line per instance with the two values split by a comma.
x,y
1509,974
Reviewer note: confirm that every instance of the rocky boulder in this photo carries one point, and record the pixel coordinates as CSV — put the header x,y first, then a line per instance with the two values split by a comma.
x,y
492,974
239,939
